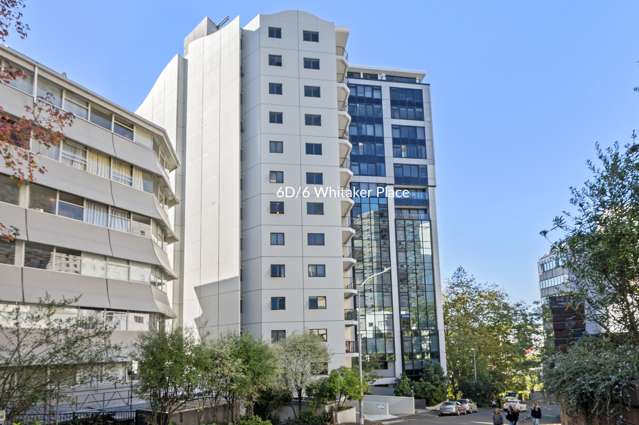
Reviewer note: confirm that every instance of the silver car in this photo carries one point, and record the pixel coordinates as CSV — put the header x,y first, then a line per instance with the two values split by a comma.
x,y
451,408
469,405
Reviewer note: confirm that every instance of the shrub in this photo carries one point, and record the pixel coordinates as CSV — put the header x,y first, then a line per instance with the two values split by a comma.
x,y
307,418
254,420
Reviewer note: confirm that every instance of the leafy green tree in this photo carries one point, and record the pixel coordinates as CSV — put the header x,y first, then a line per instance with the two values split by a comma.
x,y
488,336
598,241
270,399
340,386
596,377
42,352
300,356
404,387
432,384
168,372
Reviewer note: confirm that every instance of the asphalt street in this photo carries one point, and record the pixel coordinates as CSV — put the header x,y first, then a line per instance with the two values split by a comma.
x,y
483,417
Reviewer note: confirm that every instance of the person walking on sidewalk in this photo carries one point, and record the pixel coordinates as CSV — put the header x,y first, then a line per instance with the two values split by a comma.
x,y
498,419
513,415
535,414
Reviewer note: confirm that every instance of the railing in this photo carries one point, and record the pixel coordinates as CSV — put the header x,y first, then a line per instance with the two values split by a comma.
x,y
350,314
351,346
346,163
342,105
79,418
348,283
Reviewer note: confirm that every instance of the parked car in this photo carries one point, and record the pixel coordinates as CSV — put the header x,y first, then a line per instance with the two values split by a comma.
x,y
515,403
469,405
453,407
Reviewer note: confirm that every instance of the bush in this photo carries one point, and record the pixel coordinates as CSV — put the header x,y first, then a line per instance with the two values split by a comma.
x,y
404,387
482,392
254,420
269,400
307,418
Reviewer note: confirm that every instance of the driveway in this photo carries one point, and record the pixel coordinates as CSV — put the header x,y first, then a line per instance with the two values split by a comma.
x,y
483,417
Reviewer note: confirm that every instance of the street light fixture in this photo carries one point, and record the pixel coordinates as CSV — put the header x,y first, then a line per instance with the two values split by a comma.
x,y
359,345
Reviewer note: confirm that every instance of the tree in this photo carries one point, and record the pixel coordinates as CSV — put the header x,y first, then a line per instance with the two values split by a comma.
x,y
42,351
598,242
168,372
488,338
338,387
404,387
300,356
11,16
595,377
431,385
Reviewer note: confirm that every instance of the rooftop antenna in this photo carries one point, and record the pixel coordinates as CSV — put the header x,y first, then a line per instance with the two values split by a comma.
x,y
223,21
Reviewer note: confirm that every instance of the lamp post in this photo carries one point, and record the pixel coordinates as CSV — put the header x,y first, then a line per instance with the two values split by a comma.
x,y
475,363
359,346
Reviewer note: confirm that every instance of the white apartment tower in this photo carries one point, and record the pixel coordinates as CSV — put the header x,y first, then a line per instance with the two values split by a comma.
x,y
259,118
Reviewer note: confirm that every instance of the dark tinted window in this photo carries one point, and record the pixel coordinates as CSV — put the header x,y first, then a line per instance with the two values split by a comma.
x,y
275,60
277,238
313,149
315,208
274,32
9,189
314,178
311,63
315,239
275,146
278,270
275,117
311,36
313,119
276,207
274,88
311,91
278,303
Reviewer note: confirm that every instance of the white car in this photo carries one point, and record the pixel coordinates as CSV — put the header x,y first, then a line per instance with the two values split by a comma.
x,y
451,408
515,403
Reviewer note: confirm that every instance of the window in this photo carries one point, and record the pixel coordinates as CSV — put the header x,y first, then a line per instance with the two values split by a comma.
x,y
274,32
38,256
123,128
68,260
276,117
315,239
22,81
95,213
276,176
49,91
99,164
140,272
322,333
76,105
310,36
121,172
101,117
42,199
317,270
276,146
410,171
313,149
118,219
311,91
311,63
141,225
7,252
364,90
148,182
406,104
275,60
276,207
9,190
277,335
314,178
74,155
315,208
49,150
274,88
278,303
71,206
93,265
117,269
313,119
277,238
317,303
278,270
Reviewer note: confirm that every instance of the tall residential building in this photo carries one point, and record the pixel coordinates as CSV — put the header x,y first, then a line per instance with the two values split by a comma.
x,y
565,319
260,118
401,315
97,224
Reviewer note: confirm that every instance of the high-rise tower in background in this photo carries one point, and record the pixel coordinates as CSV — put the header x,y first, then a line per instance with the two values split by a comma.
x,y
260,118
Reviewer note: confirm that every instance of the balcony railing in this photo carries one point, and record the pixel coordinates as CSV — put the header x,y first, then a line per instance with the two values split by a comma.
x,y
346,163
348,283
351,346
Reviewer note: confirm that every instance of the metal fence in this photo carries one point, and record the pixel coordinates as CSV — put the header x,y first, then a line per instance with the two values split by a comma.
x,y
124,417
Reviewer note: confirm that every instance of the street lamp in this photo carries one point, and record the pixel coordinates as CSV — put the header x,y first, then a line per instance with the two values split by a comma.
x,y
359,345
475,362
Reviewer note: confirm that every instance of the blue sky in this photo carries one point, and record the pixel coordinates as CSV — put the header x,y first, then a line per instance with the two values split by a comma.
x,y
520,92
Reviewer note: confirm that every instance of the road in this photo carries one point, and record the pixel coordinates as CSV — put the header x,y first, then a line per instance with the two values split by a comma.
x,y
483,417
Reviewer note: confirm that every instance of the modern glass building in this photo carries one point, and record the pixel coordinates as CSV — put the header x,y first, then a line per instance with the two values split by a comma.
x,y
400,317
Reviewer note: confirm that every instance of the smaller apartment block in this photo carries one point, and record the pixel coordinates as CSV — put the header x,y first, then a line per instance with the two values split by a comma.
x,y
97,224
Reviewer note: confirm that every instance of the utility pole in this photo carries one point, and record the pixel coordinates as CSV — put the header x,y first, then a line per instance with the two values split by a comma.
x,y
475,363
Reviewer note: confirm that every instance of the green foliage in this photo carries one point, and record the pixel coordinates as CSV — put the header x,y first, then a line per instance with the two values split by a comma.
x,y
270,399
432,384
483,391
299,357
307,418
168,371
487,332
594,377
599,240
338,387
254,420
404,387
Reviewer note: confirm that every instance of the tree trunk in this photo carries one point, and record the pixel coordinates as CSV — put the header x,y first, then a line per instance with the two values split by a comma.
x,y
299,401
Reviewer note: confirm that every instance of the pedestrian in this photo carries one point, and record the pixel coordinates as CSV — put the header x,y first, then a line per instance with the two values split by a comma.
x,y
498,419
535,413
513,415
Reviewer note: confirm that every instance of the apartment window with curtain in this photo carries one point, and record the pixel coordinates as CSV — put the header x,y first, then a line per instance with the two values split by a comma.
x,y
148,182
7,252
23,82
317,303
317,270
42,199
278,335
123,127
76,105
121,172
278,270
117,269
68,260
99,164
50,151
101,117
93,265
74,155
119,219
97,214
38,256
49,91
140,272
